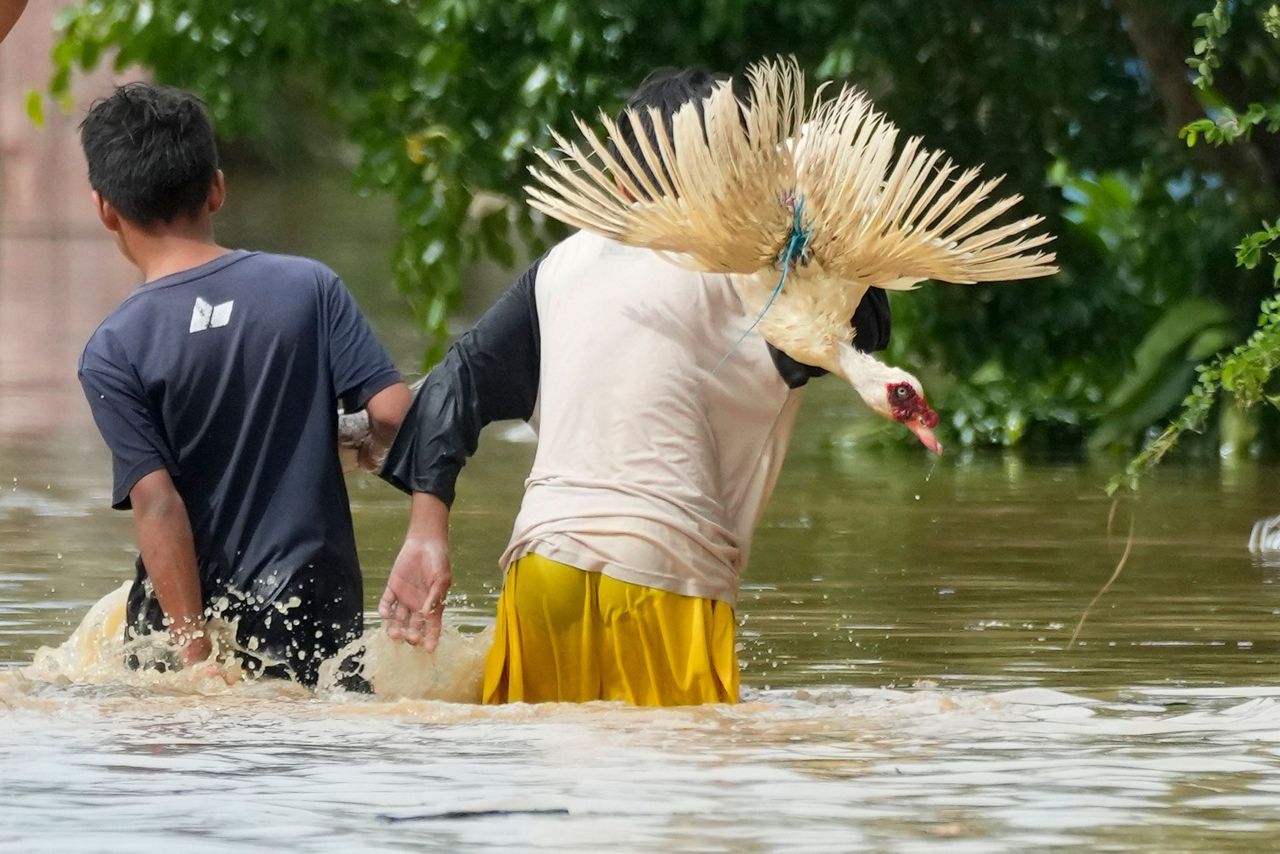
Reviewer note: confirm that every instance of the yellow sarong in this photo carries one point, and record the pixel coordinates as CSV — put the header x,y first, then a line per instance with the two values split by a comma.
x,y
566,635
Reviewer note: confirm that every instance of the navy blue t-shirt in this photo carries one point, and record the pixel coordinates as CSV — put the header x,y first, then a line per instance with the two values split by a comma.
x,y
228,375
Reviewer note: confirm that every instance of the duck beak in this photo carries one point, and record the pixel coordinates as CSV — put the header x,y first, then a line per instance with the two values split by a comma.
x,y
925,435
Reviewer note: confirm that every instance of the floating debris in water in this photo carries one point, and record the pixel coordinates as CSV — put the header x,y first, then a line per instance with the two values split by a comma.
x,y
453,815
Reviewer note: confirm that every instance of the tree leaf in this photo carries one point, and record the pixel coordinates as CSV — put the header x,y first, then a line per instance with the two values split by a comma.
x,y
35,107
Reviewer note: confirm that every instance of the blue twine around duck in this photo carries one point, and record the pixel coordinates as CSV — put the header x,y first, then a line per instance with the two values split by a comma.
x,y
793,251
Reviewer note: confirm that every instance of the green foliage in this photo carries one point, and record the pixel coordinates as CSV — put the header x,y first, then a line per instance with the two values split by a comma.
x,y
1164,364
35,108
1214,26
1249,252
1231,127
1271,21
1245,371
439,103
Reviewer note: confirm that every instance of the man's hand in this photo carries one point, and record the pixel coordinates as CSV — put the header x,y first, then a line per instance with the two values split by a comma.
x,y
413,603
386,411
195,650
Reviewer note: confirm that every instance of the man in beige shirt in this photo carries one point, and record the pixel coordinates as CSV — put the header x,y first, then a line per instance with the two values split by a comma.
x,y
662,422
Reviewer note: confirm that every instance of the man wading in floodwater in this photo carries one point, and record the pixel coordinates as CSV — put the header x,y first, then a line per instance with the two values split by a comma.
x,y
654,462
216,385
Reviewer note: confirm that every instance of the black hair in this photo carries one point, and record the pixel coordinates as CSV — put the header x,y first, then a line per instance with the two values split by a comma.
x,y
667,90
151,152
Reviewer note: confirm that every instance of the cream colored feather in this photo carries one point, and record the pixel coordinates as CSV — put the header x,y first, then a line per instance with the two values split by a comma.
x,y
806,205
723,196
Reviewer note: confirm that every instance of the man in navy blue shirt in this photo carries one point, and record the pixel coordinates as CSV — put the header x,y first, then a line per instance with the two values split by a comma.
x,y
216,385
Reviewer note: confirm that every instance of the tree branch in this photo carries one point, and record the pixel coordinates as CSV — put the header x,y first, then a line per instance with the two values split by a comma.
x,y
1163,45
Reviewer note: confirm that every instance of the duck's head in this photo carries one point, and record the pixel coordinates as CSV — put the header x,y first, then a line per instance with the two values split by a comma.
x,y
892,393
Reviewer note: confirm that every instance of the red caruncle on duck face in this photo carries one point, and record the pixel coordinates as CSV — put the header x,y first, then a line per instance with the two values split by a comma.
x,y
908,407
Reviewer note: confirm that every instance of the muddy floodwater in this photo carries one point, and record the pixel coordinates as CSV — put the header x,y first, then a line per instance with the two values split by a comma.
x,y
907,681
903,634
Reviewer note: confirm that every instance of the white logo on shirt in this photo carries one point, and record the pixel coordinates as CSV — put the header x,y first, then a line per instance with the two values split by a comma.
x,y
205,316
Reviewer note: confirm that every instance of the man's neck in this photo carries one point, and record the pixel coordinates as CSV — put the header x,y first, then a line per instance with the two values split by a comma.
x,y
160,255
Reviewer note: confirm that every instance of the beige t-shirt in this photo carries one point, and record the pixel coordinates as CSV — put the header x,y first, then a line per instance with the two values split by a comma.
x,y
655,458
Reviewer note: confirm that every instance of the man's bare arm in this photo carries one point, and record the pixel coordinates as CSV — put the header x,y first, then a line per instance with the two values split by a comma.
x,y
168,550
365,436
386,411
489,374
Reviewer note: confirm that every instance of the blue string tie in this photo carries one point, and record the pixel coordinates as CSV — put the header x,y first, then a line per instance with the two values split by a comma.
x,y
794,251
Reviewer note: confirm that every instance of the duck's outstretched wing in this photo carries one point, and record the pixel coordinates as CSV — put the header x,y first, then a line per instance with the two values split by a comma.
x,y
709,189
894,217
731,186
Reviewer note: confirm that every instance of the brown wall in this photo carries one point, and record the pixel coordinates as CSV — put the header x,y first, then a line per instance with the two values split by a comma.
x,y
60,273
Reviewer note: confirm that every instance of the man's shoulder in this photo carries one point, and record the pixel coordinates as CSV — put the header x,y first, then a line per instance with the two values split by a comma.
x,y
136,317
585,252
288,267
273,281
104,347
262,268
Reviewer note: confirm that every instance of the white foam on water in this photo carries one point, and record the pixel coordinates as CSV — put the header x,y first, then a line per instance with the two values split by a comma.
x,y
408,681
95,654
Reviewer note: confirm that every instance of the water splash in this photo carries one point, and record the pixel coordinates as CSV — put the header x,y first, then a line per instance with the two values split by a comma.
x,y
452,673
96,651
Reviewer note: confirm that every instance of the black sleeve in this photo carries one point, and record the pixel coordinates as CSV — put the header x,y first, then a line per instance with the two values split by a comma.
x,y
489,374
871,322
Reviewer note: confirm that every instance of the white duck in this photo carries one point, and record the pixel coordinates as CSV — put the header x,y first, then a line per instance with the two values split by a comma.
x,y
806,209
